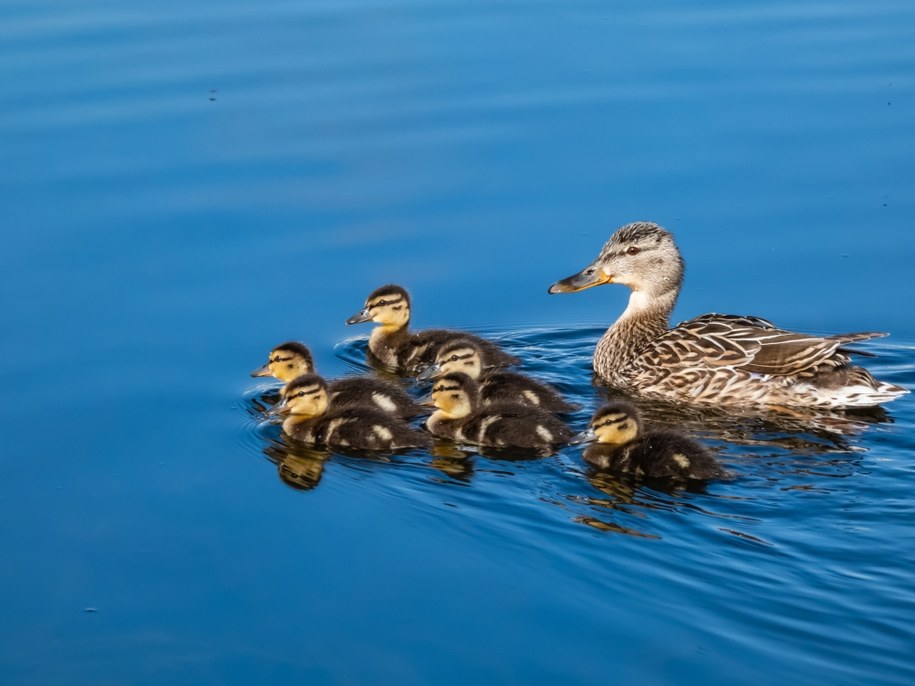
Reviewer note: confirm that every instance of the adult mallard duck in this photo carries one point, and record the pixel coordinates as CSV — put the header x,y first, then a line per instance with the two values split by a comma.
x,y
715,358
621,445
392,343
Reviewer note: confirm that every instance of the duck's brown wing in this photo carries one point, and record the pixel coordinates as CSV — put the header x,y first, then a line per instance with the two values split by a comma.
x,y
748,343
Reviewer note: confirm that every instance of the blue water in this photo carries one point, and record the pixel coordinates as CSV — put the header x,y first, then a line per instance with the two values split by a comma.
x,y
184,185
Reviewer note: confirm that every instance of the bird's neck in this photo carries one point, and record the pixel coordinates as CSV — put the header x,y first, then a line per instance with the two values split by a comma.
x,y
646,317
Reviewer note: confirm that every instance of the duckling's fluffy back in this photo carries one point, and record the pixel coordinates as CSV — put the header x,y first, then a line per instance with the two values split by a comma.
x,y
360,428
511,425
657,454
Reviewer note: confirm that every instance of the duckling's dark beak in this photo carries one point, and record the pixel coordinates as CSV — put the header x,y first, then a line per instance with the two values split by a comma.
x,y
584,437
427,401
429,372
586,278
277,409
263,370
361,316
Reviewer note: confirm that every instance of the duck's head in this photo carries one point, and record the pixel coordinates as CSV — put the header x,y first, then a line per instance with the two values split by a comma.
x,y
459,355
388,306
287,361
455,395
305,397
613,424
641,255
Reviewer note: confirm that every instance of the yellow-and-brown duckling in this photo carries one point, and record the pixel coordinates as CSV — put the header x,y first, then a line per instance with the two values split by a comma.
x,y
292,359
461,416
309,418
392,343
622,446
496,385
715,358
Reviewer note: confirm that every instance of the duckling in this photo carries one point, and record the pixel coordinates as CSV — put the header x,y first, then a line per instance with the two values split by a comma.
x,y
496,385
461,416
291,359
622,446
310,419
714,358
392,343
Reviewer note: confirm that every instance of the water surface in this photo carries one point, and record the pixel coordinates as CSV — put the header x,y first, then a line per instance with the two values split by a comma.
x,y
186,185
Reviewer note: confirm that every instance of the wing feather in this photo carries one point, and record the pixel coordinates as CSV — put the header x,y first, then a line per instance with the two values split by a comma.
x,y
751,344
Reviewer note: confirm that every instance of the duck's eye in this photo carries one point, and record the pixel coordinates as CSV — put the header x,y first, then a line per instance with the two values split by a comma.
x,y
633,250
299,394
454,358
381,303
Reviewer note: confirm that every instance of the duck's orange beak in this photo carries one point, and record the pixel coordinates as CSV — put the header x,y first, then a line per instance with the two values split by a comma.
x,y
586,278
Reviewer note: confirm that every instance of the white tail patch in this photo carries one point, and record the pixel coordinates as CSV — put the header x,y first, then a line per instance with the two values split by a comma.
x,y
485,424
383,432
531,397
544,433
332,428
860,395
681,460
384,402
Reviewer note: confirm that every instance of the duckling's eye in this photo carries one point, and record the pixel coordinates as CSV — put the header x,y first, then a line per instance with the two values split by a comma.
x,y
299,394
453,358
633,250
381,303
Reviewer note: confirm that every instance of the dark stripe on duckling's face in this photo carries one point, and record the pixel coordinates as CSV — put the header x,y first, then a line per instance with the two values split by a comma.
x,y
608,419
445,387
453,397
388,309
394,302
616,431
301,392
286,362
306,396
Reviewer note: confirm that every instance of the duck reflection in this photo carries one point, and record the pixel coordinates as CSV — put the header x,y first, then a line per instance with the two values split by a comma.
x,y
453,460
298,466
632,497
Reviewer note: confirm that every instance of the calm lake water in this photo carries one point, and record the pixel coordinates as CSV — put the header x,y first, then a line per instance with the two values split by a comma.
x,y
184,185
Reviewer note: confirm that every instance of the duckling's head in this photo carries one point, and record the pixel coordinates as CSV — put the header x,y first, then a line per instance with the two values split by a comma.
x,y
641,255
459,355
305,397
455,395
613,424
287,361
388,306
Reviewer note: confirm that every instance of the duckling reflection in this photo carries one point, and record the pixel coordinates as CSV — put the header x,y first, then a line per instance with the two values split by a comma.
x,y
622,446
311,420
292,359
392,344
496,385
460,416
298,466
